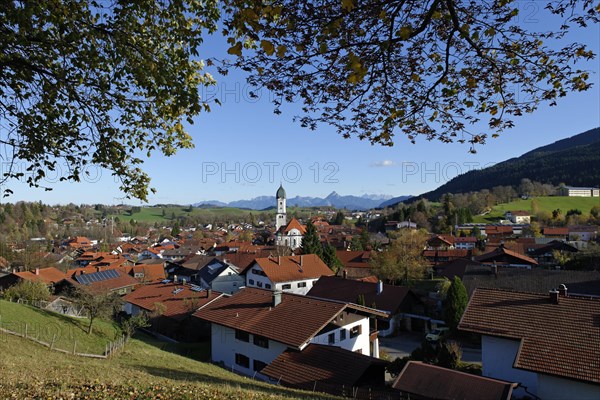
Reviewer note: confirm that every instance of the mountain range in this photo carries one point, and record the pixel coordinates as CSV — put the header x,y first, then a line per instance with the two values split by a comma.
x,y
364,202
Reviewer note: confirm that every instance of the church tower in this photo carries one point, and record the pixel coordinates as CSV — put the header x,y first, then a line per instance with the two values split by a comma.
x,y
281,217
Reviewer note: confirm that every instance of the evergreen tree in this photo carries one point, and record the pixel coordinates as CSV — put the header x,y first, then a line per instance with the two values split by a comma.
x,y
331,259
456,303
311,244
338,219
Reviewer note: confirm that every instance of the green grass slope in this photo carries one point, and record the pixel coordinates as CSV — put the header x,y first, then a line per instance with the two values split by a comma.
x,y
67,332
140,371
544,204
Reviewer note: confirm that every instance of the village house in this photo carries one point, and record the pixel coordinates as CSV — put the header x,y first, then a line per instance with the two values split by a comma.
x,y
505,257
111,280
293,274
50,276
403,307
356,263
220,276
418,380
169,306
548,343
518,217
253,327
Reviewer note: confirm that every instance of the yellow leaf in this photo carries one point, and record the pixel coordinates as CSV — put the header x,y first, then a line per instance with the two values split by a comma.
x,y
404,32
267,47
236,50
347,5
415,77
281,49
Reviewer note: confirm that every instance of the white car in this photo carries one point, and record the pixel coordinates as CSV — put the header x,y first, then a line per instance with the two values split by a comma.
x,y
436,334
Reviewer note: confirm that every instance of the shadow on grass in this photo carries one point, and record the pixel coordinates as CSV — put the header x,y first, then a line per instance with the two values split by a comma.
x,y
198,377
199,351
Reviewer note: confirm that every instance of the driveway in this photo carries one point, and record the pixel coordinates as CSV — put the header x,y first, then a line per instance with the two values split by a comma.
x,y
403,344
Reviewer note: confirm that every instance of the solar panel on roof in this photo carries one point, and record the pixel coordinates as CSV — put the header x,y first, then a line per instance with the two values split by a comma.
x,y
165,281
99,276
196,288
178,290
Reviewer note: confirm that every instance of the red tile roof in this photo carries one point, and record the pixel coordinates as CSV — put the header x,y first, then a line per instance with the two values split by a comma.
x,y
556,339
328,365
47,275
391,299
437,383
556,231
501,252
295,224
122,281
177,305
294,321
293,268
354,259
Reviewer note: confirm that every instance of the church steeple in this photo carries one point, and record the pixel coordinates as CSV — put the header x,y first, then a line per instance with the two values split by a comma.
x,y
281,217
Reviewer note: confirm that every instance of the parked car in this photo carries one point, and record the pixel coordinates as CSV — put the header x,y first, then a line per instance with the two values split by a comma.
x,y
436,334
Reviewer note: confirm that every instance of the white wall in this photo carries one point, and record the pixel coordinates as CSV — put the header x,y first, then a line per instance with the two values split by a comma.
x,y
498,356
224,346
294,286
361,342
229,281
553,388
257,278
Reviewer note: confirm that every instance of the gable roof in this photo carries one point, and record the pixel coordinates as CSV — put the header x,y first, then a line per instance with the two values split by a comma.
x,y
47,275
111,279
437,383
391,299
177,304
251,310
502,252
328,365
354,259
293,268
555,339
295,224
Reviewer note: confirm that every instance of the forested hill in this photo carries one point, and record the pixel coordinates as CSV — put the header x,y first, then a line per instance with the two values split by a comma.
x,y
574,161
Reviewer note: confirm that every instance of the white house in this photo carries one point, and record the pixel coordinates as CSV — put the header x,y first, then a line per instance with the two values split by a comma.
x,y
253,327
518,217
291,235
292,274
572,191
220,276
548,343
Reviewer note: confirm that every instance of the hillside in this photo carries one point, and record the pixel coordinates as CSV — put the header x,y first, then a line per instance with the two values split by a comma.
x,y
544,203
573,161
141,371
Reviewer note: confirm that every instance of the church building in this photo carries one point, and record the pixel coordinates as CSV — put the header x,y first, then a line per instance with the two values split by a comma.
x,y
287,234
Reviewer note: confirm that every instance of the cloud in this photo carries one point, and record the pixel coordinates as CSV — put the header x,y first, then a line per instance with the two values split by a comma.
x,y
382,164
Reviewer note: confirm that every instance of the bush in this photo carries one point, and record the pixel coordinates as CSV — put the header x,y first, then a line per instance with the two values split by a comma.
x,y
28,290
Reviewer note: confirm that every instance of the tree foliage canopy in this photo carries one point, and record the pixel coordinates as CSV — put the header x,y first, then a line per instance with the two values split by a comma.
x,y
402,260
89,82
428,68
456,303
311,244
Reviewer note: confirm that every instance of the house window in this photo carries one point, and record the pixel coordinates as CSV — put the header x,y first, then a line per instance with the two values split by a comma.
x,y
355,331
331,338
242,360
261,341
342,335
301,284
259,365
251,281
259,284
286,286
241,335
267,286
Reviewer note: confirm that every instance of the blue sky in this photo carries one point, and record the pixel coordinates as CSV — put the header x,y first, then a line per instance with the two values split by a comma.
x,y
244,150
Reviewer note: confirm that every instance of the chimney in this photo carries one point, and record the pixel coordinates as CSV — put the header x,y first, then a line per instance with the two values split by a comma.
x,y
379,287
276,298
14,270
174,278
183,281
495,269
208,292
553,296
562,290
345,274
301,259
37,271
